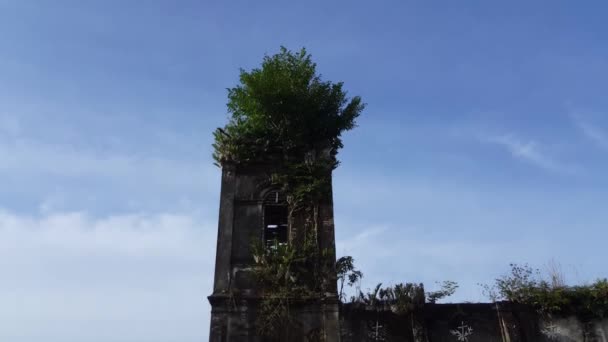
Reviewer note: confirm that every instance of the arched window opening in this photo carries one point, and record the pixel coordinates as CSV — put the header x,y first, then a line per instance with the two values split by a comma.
x,y
275,219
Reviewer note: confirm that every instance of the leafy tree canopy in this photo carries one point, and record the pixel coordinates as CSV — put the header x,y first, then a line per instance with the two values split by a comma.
x,y
284,109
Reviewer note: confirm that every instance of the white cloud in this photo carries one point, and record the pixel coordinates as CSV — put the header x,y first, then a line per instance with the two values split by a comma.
x,y
136,277
70,154
531,152
592,132
68,177
32,157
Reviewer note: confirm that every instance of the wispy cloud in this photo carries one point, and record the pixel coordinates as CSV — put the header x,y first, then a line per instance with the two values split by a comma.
x,y
66,161
74,177
591,131
531,152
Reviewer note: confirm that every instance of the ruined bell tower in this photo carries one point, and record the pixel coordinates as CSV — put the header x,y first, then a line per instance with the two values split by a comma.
x,y
254,211
275,267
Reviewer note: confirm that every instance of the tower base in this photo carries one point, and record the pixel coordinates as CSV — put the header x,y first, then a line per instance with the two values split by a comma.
x,y
234,320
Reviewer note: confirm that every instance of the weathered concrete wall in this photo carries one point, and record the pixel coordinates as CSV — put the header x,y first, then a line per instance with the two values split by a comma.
x,y
235,320
503,322
235,292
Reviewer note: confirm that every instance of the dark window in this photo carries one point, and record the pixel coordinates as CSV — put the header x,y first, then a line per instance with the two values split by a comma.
x,y
275,219
275,224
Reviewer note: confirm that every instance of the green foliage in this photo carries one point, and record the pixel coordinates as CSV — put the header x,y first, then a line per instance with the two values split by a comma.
x,y
524,285
300,268
277,272
306,182
273,318
447,289
278,265
287,273
346,272
284,108
519,285
588,302
373,297
404,297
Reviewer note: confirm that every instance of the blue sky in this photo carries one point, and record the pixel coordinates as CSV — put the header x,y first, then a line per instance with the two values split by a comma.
x,y
484,142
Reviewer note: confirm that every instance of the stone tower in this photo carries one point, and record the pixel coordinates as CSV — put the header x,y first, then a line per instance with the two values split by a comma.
x,y
252,210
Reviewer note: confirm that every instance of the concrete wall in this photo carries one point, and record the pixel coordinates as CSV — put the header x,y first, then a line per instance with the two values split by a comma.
x,y
235,321
503,322
235,292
